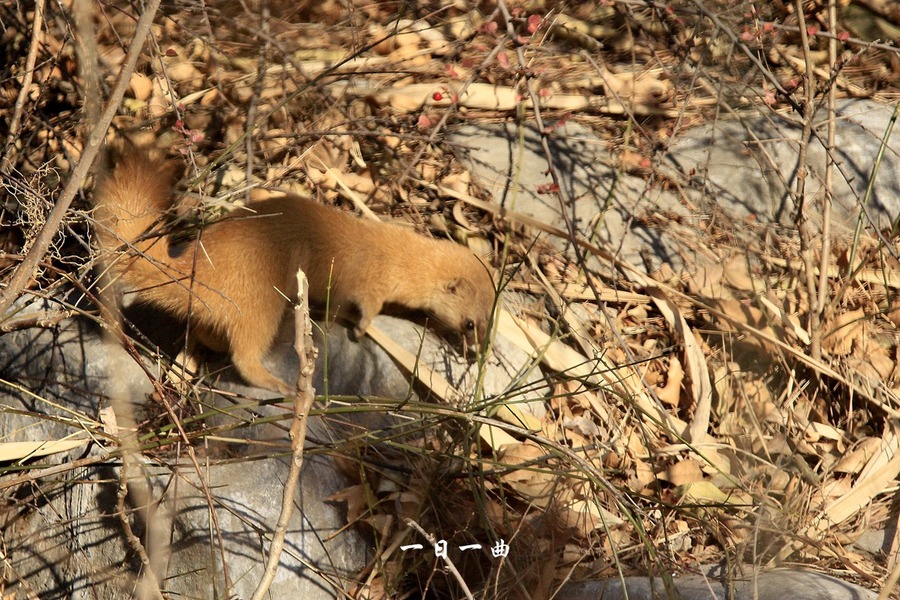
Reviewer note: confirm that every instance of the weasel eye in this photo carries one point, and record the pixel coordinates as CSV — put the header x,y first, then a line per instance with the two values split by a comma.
x,y
470,325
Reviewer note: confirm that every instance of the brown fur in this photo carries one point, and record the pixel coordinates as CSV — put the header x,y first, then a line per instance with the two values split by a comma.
x,y
232,283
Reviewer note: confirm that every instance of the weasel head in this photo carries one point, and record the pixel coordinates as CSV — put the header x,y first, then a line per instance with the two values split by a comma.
x,y
467,304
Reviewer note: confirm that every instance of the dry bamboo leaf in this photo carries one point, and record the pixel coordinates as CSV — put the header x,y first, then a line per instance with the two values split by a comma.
x,y
700,386
16,451
330,153
871,276
790,322
737,274
703,492
760,400
160,99
386,44
427,376
581,291
182,71
712,457
816,431
742,312
707,281
419,33
407,43
409,503
641,88
374,589
458,182
586,518
536,483
461,219
876,478
582,33
579,330
486,96
581,425
410,56
495,437
886,450
379,521
682,473
616,539
833,488
722,377
872,359
894,315
716,461
854,461
564,359
514,415
492,435
362,184
356,498
112,57
670,394
141,86
331,179
644,475
636,445
860,496
109,421
847,328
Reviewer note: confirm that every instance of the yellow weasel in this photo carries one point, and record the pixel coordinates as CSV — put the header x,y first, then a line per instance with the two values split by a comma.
x,y
233,280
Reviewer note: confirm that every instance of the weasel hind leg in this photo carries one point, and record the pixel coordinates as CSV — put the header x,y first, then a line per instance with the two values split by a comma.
x,y
368,310
247,352
252,370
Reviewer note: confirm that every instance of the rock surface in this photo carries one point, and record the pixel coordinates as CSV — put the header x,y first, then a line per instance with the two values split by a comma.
x,y
773,585
68,539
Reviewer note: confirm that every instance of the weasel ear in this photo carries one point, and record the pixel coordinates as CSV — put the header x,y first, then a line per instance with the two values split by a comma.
x,y
453,285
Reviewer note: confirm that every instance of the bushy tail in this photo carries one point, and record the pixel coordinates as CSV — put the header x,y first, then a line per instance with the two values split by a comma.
x,y
129,205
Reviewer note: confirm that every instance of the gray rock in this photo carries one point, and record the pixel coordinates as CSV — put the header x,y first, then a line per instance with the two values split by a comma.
x,y
773,585
511,164
67,542
749,166
743,167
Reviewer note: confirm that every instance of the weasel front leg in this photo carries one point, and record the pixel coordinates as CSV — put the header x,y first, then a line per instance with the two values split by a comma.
x,y
368,310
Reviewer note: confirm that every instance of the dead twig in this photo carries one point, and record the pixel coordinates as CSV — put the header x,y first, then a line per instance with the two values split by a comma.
x,y
303,401
801,217
825,249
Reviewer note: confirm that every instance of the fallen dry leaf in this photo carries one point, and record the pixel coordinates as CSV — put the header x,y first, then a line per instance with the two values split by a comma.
x,y
682,473
846,329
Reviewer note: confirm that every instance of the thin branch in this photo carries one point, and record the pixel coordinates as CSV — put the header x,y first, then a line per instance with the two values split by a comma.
x,y
27,77
825,250
801,218
148,585
449,563
252,123
303,401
